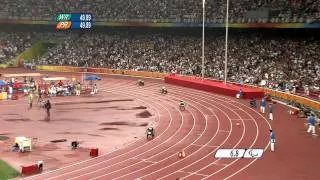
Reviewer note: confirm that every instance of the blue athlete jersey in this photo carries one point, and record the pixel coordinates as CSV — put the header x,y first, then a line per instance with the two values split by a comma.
x,y
272,136
312,120
263,102
270,109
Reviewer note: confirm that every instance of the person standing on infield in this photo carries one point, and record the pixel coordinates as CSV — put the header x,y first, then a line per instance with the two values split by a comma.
x,y
30,99
39,96
47,106
312,124
95,89
78,89
272,140
270,112
263,105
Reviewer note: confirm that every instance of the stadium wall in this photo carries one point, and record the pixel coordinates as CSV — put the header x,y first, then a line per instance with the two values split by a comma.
x,y
102,71
215,86
291,97
3,65
282,95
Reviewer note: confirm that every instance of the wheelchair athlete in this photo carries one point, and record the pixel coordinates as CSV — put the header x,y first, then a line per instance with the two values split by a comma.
x,y
253,103
182,105
150,132
182,154
140,82
164,90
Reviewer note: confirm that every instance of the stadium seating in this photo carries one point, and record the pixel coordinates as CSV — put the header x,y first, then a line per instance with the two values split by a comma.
x,y
252,55
167,10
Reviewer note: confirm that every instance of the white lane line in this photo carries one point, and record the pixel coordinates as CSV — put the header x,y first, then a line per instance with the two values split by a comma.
x,y
200,99
243,168
204,145
100,157
220,164
223,131
171,119
227,107
256,126
145,160
156,153
192,173
200,148
252,144
242,119
186,147
215,96
117,89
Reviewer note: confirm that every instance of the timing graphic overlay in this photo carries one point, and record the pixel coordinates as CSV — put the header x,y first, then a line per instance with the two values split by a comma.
x,y
66,21
239,153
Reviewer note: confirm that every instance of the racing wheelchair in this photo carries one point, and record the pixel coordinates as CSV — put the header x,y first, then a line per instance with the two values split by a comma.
x,y
253,103
182,105
164,90
150,133
140,82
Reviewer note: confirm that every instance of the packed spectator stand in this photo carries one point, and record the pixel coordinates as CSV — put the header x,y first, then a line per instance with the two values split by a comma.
x,y
13,43
275,62
284,63
168,10
249,55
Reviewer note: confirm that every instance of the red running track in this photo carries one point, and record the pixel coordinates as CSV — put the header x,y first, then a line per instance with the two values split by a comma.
x,y
207,125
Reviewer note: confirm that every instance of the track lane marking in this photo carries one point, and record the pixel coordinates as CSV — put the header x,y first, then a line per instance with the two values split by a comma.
x,y
153,155
100,157
116,89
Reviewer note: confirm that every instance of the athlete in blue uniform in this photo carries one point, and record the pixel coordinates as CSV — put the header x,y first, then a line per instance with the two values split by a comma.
x,y
270,112
240,94
272,140
312,124
263,105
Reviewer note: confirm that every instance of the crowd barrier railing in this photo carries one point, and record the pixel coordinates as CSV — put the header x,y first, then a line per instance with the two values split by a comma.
x,y
3,65
282,95
278,94
291,97
102,71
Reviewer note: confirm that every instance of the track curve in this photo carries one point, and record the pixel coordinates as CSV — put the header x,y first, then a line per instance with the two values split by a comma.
x,y
207,125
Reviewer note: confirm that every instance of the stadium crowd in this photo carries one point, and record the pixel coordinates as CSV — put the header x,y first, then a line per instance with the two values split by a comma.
x,y
166,10
13,43
253,58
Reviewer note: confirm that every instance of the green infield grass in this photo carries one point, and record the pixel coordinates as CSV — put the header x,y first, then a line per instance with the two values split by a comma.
x,y
6,171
